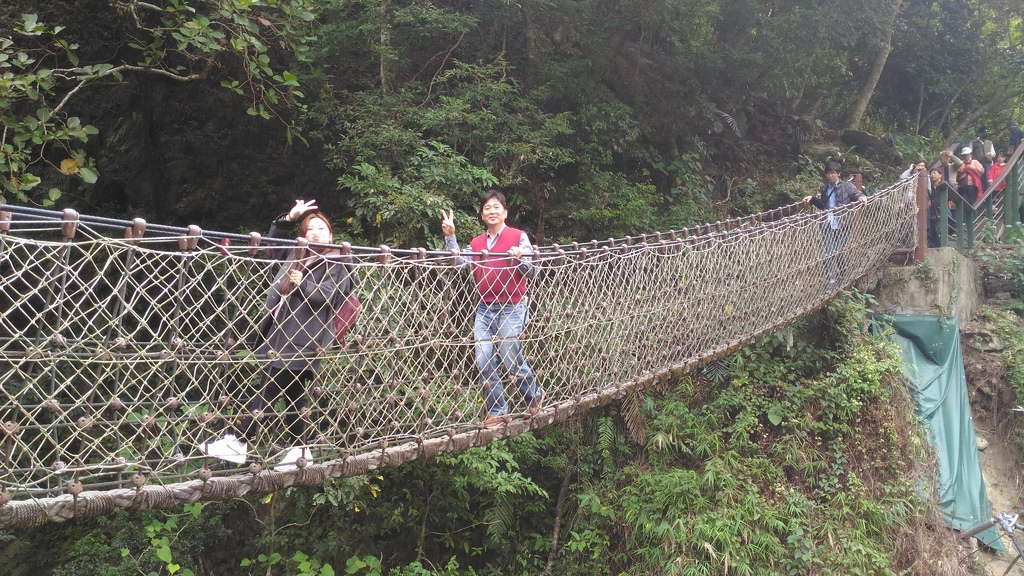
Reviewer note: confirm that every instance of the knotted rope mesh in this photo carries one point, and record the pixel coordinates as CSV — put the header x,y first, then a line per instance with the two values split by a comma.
x,y
122,358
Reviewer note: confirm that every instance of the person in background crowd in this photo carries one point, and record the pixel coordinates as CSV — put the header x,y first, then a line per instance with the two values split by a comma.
x,y
832,195
910,197
984,152
934,182
996,171
968,177
948,164
857,179
913,169
1016,137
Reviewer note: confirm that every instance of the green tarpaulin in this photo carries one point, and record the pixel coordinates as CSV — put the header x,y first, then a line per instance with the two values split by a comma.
x,y
933,361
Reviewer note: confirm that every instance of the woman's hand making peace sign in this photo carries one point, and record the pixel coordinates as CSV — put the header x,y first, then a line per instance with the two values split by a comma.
x,y
300,208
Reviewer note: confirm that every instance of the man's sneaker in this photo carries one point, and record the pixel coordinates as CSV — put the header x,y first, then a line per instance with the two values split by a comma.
x,y
534,408
492,422
291,457
227,447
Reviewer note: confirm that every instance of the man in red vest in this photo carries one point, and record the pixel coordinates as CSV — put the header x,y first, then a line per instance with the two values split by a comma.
x,y
502,312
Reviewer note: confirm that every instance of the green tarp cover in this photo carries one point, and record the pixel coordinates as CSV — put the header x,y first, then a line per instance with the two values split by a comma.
x,y
933,361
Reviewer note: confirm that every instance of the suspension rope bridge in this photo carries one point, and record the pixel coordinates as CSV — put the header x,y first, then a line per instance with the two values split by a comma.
x,y
124,347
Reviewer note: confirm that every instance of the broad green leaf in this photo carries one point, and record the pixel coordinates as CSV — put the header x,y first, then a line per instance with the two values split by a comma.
x,y
29,181
164,554
29,22
88,174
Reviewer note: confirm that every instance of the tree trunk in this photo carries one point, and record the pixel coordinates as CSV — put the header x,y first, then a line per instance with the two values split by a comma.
x,y
563,495
812,113
920,109
385,44
861,106
531,36
952,101
1001,96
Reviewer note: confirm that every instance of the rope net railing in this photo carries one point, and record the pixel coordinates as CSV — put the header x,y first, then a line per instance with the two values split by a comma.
x,y
121,359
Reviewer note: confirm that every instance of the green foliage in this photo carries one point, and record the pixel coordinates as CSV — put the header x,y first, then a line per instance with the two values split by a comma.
x,y
299,564
405,157
911,147
1009,327
1002,266
762,472
155,543
44,67
610,206
406,210
452,568
923,92
368,564
25,84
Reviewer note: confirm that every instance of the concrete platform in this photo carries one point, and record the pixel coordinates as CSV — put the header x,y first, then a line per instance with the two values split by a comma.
x,y
945,284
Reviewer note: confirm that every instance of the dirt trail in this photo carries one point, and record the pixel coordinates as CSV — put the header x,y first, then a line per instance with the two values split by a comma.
x,y
991,403
1003,477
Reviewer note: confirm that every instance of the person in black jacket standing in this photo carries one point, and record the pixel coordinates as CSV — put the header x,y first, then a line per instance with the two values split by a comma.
x,y
832,195
296,328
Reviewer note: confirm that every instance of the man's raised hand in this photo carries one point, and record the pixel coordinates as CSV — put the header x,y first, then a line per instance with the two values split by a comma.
x,y
448,223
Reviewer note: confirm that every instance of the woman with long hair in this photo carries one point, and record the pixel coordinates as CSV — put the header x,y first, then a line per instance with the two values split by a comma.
x,y
296,328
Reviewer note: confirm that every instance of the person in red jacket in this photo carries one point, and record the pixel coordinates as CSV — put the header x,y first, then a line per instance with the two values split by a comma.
x,y
996,171
502,312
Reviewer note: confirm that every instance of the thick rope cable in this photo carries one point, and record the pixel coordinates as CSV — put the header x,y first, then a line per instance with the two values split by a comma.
x,y
120,358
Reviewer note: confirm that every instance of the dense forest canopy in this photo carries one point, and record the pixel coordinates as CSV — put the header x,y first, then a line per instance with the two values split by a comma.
x,y
598,117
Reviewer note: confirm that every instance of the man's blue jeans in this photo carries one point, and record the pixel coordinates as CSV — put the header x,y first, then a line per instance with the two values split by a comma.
x,y
496,331
835,259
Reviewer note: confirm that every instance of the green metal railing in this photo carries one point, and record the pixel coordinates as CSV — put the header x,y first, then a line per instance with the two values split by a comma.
x,y
990,216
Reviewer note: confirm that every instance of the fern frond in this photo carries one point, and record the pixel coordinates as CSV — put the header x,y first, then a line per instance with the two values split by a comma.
x,y
605,435
716,371
632,414
500,519
734,124
605,447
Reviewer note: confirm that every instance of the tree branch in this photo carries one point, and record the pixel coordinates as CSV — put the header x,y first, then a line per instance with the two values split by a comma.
x,y
128,68
563,495
1004,93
